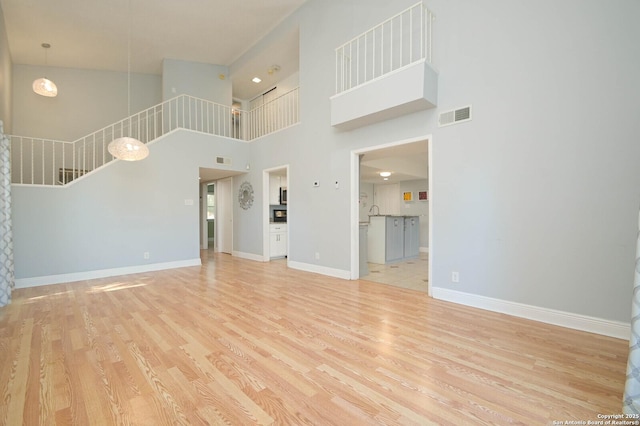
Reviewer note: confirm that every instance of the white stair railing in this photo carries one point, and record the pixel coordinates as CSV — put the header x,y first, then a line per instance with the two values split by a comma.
x,y
36,161
399,41
272,116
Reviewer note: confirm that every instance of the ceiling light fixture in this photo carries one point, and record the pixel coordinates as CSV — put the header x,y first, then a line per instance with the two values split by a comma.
x,y
127,148
43,86
385,174
256,80
273,68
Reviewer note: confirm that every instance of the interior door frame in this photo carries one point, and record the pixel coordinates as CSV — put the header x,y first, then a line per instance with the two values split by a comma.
x,y
204,228
225,205
266,256
355,208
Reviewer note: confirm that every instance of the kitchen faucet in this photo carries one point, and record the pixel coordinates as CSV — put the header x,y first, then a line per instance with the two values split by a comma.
x,y
372,206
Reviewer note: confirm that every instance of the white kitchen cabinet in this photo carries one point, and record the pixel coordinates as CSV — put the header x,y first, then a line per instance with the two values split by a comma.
x,y
274,189
278,240
387,197
376,239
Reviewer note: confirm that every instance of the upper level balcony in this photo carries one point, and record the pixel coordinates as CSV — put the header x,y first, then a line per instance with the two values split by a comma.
x,y
36,161
386,71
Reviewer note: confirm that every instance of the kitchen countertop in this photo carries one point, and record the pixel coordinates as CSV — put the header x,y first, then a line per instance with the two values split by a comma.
x,y
387,215
393,215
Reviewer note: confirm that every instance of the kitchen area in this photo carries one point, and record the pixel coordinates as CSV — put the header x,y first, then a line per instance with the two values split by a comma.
x,y
394,216
278,228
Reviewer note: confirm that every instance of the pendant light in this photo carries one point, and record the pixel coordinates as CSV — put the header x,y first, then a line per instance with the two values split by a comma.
x,y
128,148
43,86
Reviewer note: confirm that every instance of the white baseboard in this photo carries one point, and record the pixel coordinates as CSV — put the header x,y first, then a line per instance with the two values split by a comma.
x,y
103,273
423,249
609,328
249,256
332,272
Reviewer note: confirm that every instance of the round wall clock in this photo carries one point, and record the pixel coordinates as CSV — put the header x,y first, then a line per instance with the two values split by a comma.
x,y
245,195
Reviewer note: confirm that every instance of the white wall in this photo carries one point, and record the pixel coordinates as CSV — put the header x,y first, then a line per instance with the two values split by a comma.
x,y
289,83
107,220
535,200
87,100
196,79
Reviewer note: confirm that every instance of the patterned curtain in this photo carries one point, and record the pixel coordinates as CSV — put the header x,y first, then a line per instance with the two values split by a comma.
x,y
7,276
631,403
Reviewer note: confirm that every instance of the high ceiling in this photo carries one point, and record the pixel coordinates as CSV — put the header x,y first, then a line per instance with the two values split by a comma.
x,y
93,34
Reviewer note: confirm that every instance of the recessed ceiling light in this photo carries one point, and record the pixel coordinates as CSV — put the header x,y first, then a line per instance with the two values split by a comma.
x,y
256,80
385,174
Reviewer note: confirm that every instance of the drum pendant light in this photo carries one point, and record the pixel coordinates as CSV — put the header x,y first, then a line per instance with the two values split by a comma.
x,y
128,148
43,86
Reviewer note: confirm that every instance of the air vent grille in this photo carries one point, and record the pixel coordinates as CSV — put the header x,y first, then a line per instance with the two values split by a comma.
x,y
223,160
454,116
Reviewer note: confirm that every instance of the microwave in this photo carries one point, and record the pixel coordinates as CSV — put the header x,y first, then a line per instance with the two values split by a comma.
x,y
283,195
279,215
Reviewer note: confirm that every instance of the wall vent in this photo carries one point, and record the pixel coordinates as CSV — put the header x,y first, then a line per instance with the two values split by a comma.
x,y
454,116
223,160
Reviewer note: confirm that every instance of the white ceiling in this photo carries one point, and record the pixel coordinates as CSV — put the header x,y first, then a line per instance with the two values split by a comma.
x,y
405,162
92,34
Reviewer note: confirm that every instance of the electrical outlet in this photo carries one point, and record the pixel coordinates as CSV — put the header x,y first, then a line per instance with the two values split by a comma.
x,y
317,256
455,277
146,255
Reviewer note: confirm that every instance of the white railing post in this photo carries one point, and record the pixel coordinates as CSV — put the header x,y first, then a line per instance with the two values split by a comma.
x,y
42,161
21,161
190,113
397,53
63,164
32,162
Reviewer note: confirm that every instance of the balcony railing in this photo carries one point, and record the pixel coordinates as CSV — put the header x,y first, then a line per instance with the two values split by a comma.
x,y
401,40
48,162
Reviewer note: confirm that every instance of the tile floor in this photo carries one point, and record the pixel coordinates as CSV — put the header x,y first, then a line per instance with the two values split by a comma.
x,y
412,274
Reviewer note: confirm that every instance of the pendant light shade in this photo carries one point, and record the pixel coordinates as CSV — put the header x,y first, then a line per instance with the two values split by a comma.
x,y
43,86
128,149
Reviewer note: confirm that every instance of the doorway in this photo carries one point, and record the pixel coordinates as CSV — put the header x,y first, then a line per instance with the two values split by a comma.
x,y
409,162
207,215
224,215
276,213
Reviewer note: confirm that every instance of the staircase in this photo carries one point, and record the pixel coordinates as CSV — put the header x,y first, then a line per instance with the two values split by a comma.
x,y
47,162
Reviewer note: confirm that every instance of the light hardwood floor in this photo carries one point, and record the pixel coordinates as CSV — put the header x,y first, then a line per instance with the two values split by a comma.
x,y
240,342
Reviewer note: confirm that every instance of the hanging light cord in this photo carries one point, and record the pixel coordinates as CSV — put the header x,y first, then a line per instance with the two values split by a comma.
x,y
129,66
